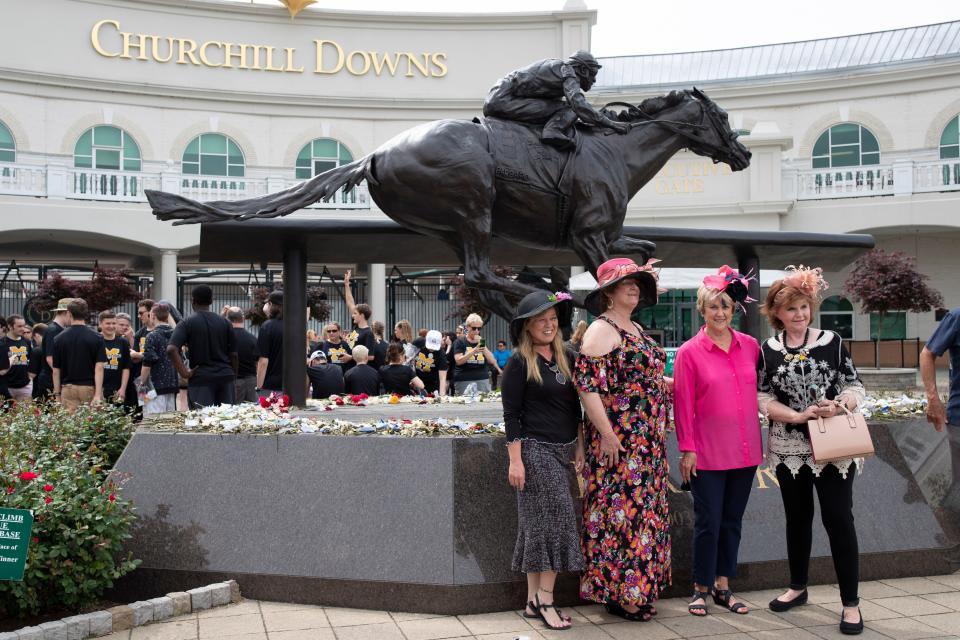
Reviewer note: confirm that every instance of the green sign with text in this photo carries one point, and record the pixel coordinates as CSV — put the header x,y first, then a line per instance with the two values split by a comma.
x,y
671,356
15,527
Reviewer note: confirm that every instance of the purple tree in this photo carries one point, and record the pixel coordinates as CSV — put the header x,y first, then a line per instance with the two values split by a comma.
x,y
882,281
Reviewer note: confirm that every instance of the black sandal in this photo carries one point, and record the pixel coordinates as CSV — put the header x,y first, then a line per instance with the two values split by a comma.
x,y
698,610
534,616
643,615
543,607
723,597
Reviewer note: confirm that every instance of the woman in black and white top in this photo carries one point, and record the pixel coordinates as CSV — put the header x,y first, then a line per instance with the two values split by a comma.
x,y
542,414
805,373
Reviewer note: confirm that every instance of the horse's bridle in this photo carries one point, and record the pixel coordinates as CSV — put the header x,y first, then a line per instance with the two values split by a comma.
x,y
679,127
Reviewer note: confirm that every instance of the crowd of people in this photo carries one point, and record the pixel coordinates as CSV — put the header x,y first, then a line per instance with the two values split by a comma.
x,y
602,414
172,362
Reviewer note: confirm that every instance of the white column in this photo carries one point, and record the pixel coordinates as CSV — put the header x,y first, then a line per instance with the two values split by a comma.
x,y
165,276
377,292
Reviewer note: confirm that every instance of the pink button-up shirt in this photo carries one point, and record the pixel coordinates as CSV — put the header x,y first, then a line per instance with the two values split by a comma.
x,y
715,402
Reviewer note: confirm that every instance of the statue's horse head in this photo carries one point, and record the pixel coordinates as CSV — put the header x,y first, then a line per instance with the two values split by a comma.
x,y
713,137
693,116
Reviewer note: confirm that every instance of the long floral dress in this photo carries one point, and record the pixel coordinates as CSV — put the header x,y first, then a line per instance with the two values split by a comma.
x,y
626,534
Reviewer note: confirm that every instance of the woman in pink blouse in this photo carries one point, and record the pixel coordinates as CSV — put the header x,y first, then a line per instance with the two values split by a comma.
x,y
718,430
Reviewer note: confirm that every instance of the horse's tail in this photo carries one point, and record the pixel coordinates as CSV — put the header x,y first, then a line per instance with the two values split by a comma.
x,y
167,206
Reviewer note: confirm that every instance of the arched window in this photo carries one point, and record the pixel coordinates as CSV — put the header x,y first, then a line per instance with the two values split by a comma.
x,y
106,147
950,140
8,148
846,145
836,314
213,154
321,155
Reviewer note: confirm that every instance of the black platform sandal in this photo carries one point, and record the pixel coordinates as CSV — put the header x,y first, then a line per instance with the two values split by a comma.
x,y
543,607
698,610
642,615
723,597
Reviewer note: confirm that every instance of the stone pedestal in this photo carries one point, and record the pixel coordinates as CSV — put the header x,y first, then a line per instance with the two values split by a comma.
x,y
429,524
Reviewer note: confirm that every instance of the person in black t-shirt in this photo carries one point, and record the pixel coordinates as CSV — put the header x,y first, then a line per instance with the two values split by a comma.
x,y
78,359
61,320
430,362
326,379
473,358
4,365
360,314
246,385
213,353
380,349
362,378
333,345
396,377
116,370
270,347
18,351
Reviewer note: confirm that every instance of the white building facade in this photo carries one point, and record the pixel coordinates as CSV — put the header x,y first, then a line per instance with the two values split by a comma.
x,y
101,99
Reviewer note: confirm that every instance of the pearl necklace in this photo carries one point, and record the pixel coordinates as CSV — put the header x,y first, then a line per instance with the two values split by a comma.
x,y
803,352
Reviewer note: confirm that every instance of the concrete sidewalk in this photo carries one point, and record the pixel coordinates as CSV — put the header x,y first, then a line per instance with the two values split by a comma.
x,y
903,609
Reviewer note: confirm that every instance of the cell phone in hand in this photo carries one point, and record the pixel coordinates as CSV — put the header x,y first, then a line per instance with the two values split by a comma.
x,y
483,343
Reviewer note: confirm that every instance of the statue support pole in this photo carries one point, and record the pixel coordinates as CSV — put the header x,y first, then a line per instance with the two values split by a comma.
x,y
748,262
295,325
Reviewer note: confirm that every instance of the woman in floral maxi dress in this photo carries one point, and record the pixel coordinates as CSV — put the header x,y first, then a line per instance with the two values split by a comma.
x,y
619,373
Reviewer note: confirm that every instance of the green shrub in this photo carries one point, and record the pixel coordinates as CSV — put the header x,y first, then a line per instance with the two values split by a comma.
x,y
80,520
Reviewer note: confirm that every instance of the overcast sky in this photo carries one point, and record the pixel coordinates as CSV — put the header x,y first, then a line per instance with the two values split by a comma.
x,y
627,27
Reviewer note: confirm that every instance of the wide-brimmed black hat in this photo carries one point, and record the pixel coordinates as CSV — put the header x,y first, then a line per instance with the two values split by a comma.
x,y
533,304
613,271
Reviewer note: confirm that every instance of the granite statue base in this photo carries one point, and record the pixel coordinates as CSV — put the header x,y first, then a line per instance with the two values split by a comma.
x,y
428,524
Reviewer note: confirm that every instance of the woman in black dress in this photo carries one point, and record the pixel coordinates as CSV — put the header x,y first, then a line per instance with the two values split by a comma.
x,y
542,413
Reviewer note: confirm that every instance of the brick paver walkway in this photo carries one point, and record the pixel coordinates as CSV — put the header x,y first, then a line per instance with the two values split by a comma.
x,y
903,609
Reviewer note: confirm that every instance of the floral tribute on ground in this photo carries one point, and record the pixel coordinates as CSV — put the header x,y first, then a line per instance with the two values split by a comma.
x,y
272,416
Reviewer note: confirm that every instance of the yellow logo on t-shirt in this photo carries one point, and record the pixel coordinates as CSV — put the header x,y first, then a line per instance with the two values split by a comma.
x,y
18,356
477,357
424,362
335,354
352,338
113,358
143,343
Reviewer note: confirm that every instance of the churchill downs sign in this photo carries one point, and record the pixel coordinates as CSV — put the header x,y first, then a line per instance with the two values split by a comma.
x,y
327,56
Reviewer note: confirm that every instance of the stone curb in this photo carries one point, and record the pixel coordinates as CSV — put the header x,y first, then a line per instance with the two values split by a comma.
x,y
135,614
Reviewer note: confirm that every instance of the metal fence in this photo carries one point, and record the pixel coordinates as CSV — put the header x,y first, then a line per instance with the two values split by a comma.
x,y
19,284
426,302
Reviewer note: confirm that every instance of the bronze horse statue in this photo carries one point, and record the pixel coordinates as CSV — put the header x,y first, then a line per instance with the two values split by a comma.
x,y
467,183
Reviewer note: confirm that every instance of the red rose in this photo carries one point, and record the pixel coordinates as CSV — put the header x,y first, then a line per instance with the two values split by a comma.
x,y
364,396
265,403
35,539
112,498
339,402
48,487
284,400
28,475
47,499
9,490
354,399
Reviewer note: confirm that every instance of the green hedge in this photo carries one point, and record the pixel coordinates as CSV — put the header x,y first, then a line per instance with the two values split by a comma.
x,y
57,465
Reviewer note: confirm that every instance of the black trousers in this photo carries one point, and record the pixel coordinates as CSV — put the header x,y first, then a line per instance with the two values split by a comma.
x,y
836,511
719,500
212,394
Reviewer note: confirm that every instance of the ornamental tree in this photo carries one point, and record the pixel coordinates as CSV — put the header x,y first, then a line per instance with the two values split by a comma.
x,y
882,282
106,289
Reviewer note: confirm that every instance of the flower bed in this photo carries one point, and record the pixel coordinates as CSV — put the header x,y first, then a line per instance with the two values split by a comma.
x,y
56,465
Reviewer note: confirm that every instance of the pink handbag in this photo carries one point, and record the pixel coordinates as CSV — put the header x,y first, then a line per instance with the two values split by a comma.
x,y
840,437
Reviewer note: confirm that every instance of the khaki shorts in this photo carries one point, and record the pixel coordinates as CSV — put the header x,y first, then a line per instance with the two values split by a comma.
x,y
74,395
